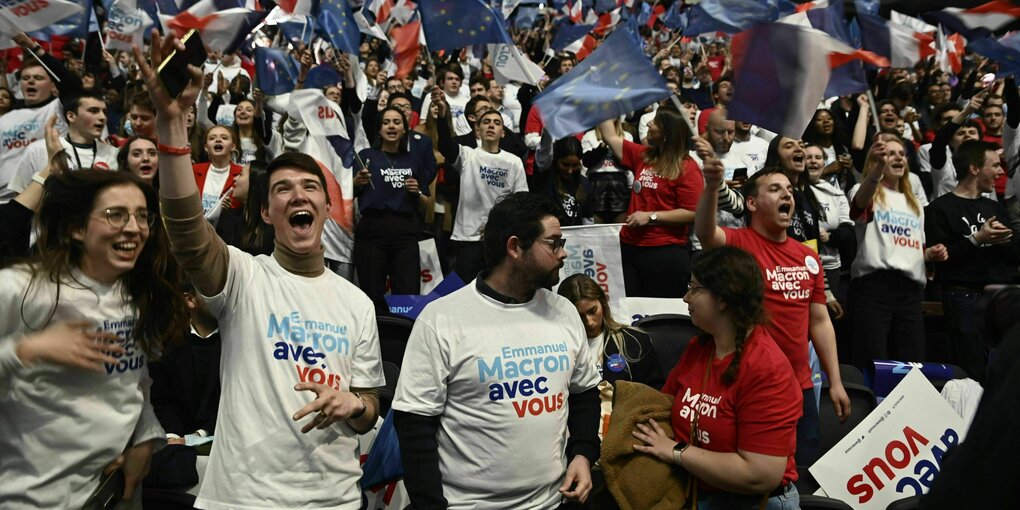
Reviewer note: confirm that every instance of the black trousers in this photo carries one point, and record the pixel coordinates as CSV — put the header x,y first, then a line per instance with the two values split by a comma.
x,y
656,271
885,307
470,259
386,245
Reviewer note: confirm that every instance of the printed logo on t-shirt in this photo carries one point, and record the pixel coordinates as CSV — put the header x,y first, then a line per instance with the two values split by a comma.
x,y
306,343
132,358
20,136
519,374
811,264
495,177
646,180
706,406
902,227
396,176
794,282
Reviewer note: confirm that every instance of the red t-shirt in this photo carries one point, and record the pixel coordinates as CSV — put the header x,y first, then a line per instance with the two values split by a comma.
x,y
652,193
757,413
715,66
793,281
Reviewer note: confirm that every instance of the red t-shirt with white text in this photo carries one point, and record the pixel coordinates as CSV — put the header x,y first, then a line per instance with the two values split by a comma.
x,y
757,413
793,281
652,193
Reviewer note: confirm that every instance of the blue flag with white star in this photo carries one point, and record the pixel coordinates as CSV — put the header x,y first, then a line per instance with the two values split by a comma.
x,y
616,79
276,71
335,22
454,24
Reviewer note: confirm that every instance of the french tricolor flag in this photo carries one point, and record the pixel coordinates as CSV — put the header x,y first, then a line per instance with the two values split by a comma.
x,y
222,25
786,67
977,21
902,45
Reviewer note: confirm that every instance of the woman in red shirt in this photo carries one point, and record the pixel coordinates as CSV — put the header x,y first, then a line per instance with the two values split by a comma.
x,y
655,243
736,401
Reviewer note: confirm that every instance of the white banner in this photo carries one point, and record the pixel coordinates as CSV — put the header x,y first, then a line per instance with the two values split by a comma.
x,y
896,452
125,25
431,271
509,64
595,251
17,16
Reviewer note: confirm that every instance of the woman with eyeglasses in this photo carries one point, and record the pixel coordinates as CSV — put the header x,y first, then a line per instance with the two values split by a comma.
x,y
78,324
736,400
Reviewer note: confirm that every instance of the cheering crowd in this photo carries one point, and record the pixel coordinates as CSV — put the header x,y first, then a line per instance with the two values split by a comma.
x,y
213,264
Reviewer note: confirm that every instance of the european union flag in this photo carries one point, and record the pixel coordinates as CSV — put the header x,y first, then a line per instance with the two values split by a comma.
x,y
730,16
275,71
299,31
322,76
454,24
335,21
524,17
1007,57
567,34
616,79
675,19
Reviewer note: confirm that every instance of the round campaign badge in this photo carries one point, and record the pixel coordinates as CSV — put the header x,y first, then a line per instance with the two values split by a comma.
x,y
812,264
637,186
616,363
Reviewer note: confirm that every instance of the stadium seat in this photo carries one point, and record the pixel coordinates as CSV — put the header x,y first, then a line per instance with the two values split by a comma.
x,y
393,334
670,333
392,372
862,402
911,503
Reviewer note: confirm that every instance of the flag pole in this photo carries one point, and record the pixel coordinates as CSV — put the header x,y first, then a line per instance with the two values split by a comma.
x,y
667,48
684,114
43,64
874,111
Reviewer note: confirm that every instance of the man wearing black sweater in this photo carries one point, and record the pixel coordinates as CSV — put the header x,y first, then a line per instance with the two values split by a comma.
x,y
982,249
498,395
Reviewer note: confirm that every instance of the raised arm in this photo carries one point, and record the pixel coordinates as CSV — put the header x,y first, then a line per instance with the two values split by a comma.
x,y
194,242
611,138
705,224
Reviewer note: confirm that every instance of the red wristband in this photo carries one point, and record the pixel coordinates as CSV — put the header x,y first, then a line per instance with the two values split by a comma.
x,y
177,151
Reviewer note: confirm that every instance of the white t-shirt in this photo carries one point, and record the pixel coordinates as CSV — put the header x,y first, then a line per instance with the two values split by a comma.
x,y
18,129
212,189
484,179
755,148
280,329
837,212
457,104
892,240
34,159
60,426
498,376
248,152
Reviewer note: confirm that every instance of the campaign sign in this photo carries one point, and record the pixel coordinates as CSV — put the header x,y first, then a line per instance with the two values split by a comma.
x,y
885,375
411,306
431,271
896,452
595,251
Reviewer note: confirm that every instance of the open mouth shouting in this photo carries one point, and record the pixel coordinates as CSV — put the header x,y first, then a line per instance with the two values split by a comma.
x,y
785,211
301,221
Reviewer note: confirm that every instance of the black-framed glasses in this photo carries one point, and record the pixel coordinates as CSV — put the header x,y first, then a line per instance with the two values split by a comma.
x,y
555,244
119,217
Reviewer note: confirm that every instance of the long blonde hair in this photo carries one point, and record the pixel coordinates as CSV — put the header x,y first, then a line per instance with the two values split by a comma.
x,y
667,157
580,287
871,164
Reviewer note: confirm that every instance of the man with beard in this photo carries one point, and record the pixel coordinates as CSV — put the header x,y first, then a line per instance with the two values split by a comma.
x,y
503,383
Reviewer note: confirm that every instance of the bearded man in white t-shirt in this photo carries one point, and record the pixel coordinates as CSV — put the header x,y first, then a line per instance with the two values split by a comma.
x,y
497,406
289,327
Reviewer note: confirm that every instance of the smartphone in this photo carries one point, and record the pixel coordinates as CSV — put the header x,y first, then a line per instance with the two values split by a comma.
x,y
174,69
740,174
108,493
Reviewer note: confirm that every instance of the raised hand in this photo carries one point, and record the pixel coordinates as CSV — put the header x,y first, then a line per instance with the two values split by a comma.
x,y
167,106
